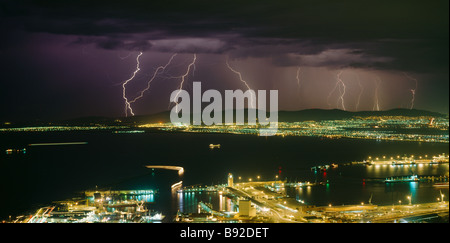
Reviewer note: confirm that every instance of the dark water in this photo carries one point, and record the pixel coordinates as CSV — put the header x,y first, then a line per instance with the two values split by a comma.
x,y
49,173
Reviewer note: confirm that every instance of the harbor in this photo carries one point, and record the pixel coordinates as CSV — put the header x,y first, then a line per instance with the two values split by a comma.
x,y
268,202
405,160
99,206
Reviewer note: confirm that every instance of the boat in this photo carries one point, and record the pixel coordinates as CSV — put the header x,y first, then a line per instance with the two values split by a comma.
x,y
322,168
129,131
16,151
442,184
412,178
398,163
367,162
213,146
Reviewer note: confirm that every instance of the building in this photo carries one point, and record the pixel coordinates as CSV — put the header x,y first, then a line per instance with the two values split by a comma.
x,y
230,180
246,209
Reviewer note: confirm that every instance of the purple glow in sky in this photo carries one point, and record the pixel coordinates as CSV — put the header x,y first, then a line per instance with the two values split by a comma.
x,y
66,60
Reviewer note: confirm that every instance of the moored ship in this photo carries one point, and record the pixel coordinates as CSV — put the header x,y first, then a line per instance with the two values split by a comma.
x,y
412,178
442,185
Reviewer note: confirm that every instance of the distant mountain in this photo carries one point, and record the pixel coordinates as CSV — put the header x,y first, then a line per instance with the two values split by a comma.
x,y
319,114
302,115
92,120
283,116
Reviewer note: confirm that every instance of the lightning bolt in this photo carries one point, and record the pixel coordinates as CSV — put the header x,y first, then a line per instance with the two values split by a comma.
x,y
127,104
298,83
413,91
243,81
343,92
341,85
183,77
298,77
160,68
376,104
194,68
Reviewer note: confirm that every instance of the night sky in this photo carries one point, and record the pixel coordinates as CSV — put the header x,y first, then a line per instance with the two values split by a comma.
x,y
68,59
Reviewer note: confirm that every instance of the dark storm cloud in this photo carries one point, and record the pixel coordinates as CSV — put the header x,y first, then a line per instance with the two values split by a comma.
x,y
344,20
254,28
49,37
114,43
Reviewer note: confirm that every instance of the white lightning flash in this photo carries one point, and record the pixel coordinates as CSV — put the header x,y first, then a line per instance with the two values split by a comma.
x,y
376,105
298,78
343,87
243,81
413,91
339,83
127,104
192,64
157,71
298,83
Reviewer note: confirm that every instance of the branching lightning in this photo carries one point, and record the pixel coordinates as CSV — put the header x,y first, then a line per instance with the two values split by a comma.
x,y
160,68
413,91
343,89
341,85
183,77
243,81
127,104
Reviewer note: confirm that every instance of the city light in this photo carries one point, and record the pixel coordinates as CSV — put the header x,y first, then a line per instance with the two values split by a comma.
x,y
357,128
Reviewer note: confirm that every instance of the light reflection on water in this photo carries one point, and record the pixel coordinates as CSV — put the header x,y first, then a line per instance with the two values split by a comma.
x,y
109,159
187,202
359,183
346,186
321,195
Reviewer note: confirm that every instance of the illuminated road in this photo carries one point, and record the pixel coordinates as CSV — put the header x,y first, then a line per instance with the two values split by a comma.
x,y
395,214
281,208
279,212
57,144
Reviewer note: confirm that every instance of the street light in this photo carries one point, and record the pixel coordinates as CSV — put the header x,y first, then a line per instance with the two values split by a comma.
x,y
409,198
